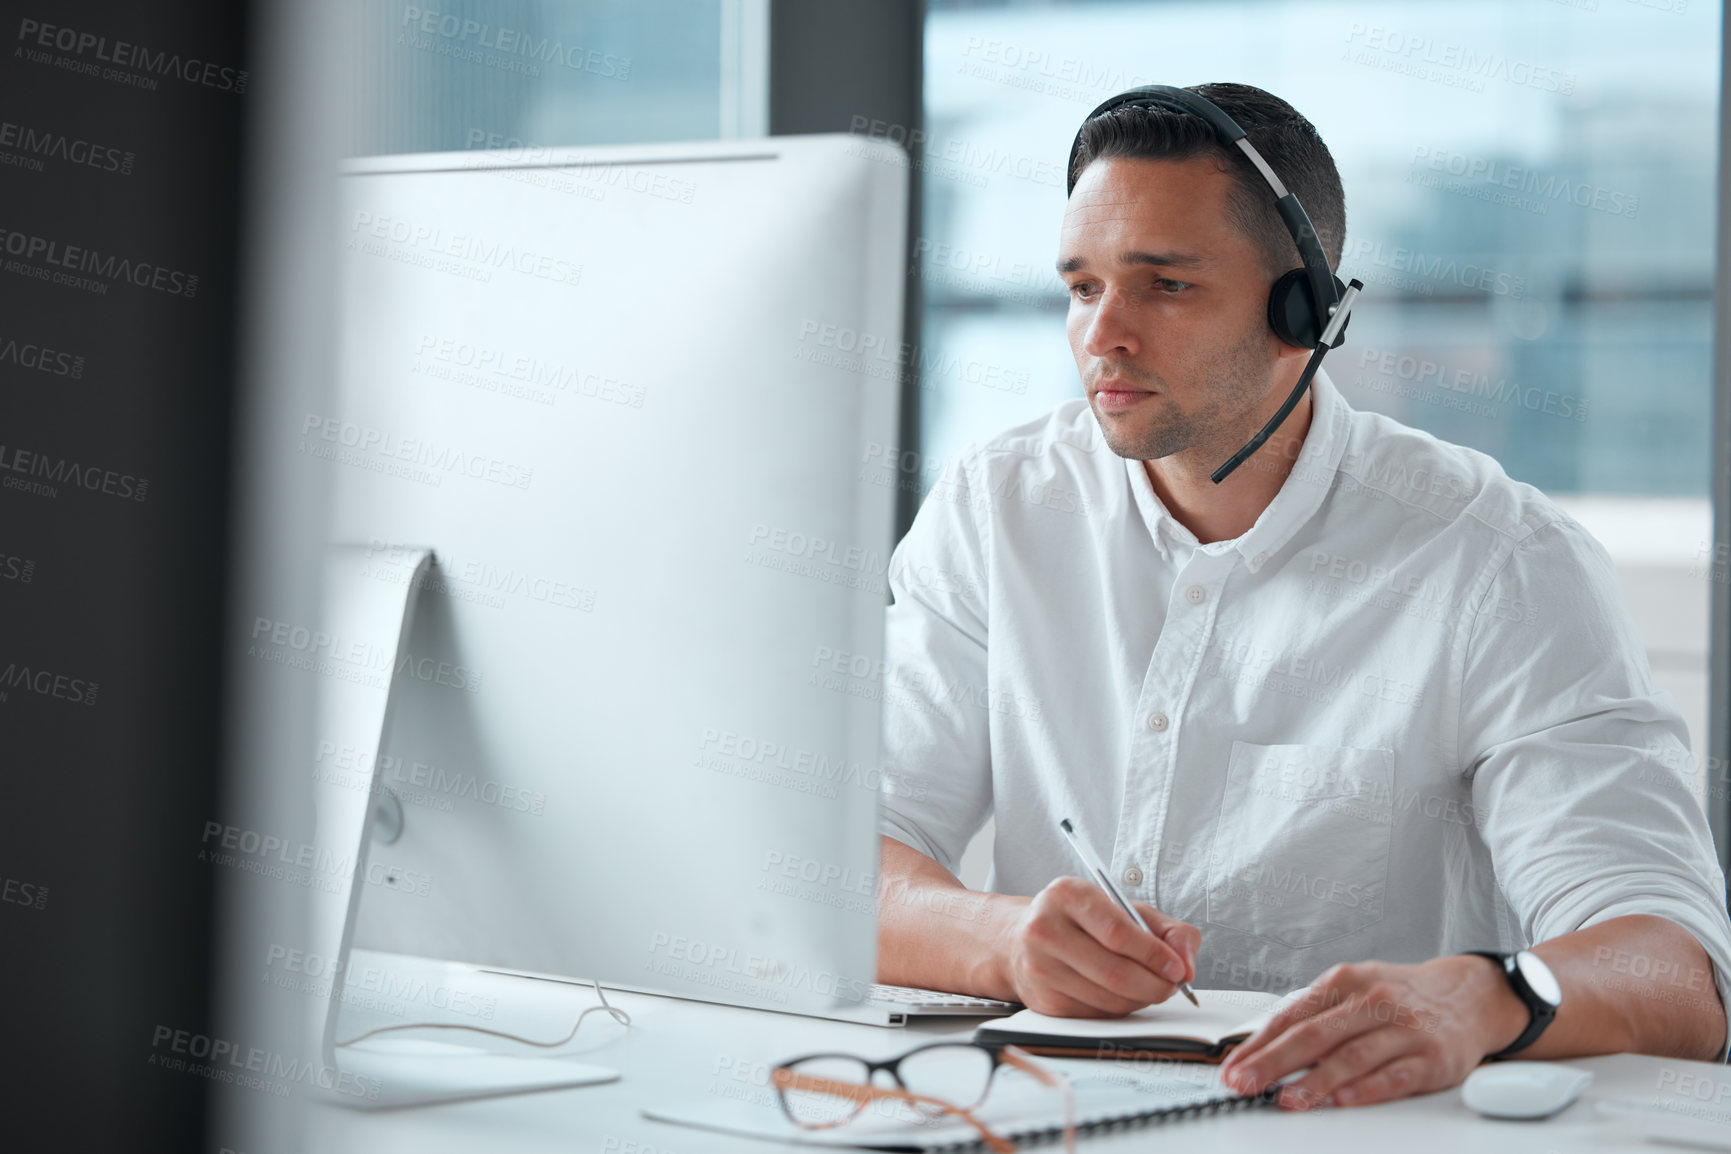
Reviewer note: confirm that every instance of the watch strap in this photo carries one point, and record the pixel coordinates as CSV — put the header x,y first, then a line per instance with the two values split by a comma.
x,y
1539,1012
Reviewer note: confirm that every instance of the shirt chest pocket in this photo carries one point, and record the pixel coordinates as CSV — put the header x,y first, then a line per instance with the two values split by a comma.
x,y
1300,853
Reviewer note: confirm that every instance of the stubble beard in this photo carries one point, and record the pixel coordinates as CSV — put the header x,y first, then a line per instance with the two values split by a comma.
x,y
1237,384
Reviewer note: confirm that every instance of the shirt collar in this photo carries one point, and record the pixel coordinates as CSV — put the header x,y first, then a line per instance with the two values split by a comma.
x,y
1300,496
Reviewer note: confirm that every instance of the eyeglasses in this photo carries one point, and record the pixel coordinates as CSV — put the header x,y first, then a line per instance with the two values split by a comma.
x,y
820,1091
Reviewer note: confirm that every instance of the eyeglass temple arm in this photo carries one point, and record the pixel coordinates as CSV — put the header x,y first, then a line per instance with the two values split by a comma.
x,y
1020,1060
786,1079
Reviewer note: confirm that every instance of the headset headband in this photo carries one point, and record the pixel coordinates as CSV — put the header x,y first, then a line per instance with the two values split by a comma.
x,y
1226,129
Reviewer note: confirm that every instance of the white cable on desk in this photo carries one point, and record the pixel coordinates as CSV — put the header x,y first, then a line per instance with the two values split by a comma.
x,y
617,1014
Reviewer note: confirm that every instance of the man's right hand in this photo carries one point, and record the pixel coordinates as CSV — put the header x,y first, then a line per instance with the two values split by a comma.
x,y
1073,953
1068,951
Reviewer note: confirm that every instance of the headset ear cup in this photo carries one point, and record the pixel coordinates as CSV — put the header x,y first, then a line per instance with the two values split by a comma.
x,y
1292,312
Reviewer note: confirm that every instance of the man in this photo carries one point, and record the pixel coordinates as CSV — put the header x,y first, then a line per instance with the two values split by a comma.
x,y
1363,706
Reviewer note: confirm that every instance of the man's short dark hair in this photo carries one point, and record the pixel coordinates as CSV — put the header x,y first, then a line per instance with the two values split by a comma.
x,y
1287,141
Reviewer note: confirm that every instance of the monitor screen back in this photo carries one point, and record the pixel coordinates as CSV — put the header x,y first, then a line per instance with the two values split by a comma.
x,y
638,401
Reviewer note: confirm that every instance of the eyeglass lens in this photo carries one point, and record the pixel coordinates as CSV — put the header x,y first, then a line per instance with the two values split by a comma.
x,y
958,1075
810,1103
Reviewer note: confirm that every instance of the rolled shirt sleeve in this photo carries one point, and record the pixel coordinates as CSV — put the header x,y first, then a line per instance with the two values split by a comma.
x,y
937,789
1580,769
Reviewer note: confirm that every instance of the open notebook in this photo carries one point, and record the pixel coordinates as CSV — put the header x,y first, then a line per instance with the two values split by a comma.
x,y
1174,1029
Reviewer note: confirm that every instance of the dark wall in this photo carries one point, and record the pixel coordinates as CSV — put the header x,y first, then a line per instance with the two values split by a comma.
x,y
119,185
857,66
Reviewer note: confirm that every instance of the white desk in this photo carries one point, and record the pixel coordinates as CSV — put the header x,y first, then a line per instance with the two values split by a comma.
x,y
678,1051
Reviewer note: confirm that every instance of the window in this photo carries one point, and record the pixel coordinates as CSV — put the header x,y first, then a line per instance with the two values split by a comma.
x,y
435,77
1530,197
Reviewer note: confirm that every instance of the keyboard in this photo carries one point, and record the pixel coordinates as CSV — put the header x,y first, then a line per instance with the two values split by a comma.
x,y
919,1001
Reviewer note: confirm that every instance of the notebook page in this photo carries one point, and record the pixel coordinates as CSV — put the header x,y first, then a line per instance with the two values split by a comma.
x,y
1221,1014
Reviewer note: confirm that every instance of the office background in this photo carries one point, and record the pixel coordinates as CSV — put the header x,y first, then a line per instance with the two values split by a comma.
x,y
1532,194
1530,203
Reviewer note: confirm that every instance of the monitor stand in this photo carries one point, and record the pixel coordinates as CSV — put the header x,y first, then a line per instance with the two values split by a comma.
x,y
370,595
411,1071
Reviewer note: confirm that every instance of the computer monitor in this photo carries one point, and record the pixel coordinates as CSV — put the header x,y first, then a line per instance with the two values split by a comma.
x,y
639,403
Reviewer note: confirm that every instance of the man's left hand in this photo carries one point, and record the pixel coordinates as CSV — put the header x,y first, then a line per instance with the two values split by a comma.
x,y
1372,1032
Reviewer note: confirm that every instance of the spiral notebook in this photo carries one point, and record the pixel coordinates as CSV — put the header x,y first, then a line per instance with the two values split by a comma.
x,y
1110,1096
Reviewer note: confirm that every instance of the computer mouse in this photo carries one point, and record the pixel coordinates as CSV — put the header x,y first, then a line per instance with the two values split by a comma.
x,y
1523,1089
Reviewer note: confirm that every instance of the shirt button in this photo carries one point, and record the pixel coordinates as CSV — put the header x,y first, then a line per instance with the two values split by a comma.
x,y
1259,559
1195,594
1132,876
1157,722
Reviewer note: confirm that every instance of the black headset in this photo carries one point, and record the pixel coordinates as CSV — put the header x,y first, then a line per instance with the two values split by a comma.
x,y
1308,307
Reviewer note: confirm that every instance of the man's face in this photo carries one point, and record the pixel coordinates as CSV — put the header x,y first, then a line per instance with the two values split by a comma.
x,y
1168,313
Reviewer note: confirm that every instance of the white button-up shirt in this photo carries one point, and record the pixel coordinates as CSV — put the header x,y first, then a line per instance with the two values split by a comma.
x,y
1406,714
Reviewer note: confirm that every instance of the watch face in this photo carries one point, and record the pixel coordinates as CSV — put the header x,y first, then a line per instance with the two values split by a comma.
x,y
1539,977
